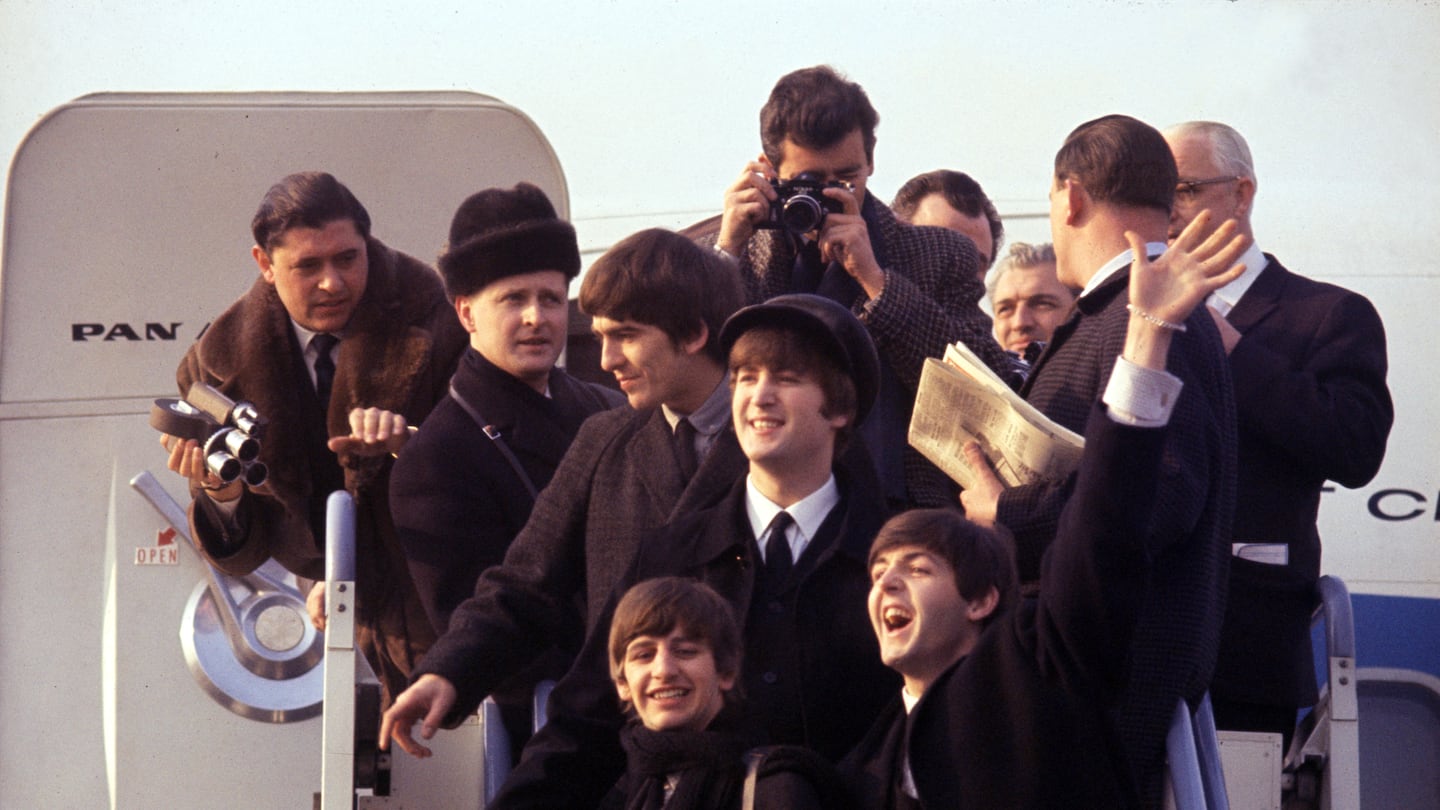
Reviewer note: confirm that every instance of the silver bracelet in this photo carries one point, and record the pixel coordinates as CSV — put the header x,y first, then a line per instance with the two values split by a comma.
x,y
1160,322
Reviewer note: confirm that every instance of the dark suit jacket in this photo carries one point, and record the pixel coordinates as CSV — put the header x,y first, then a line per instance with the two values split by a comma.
x,y
1021,721
825,651
1178,634
400,348
1312,406
618,481
931,299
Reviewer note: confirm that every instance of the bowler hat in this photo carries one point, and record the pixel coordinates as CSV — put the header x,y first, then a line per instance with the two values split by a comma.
x,y
499,232
838,329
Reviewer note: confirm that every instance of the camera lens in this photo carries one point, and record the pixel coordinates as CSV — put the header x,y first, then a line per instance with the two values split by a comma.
x,y
225,466
802,214
256,473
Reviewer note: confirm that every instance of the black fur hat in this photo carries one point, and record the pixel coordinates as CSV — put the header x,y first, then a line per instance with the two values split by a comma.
x,y
498,233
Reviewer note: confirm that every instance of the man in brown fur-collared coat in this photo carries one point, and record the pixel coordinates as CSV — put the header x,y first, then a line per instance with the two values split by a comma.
x,y
341,344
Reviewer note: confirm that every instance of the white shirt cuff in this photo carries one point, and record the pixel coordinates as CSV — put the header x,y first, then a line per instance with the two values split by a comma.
x,y
1139,396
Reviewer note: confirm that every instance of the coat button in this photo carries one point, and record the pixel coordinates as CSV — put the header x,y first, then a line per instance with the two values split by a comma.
x,y
770,678
777,607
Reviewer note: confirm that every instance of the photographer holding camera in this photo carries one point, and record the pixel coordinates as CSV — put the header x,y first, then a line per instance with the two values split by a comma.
x,y
341,343
915,289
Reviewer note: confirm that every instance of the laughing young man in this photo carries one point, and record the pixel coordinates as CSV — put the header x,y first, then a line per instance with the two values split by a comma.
x,y
1006,705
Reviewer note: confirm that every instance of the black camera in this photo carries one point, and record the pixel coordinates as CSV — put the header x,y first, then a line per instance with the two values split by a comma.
x,y
229,432
801,205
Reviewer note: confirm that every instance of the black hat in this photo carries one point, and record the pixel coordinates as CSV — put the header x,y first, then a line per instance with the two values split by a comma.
x,y
836,327
498,233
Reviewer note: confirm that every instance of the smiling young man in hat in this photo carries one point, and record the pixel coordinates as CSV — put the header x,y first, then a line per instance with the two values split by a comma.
x,y
785,547
465,485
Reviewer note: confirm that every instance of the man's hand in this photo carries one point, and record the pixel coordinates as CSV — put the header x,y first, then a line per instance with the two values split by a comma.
x,y
846,239
428,700
1164,292
373,432
1184,275
315,605
188,459
982,500
747,204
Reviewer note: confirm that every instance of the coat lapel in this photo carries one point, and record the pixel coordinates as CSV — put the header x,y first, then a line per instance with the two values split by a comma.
x,y
722,467
653,462
1262,298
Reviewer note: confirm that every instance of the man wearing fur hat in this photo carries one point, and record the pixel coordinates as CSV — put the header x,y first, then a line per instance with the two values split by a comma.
x,y
341,343
464,486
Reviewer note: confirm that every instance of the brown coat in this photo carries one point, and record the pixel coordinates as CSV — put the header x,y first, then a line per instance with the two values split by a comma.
x,y
399,351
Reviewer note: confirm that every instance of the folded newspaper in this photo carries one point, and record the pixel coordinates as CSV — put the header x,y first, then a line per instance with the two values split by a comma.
x,y
960,399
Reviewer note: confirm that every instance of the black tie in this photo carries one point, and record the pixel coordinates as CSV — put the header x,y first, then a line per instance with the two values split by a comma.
x,y
685,449
778,561
324,366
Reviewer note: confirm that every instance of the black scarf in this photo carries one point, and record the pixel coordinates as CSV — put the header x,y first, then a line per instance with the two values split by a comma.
x,y
710,766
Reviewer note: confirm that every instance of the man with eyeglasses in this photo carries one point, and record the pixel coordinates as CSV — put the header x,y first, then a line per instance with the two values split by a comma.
x,y
1308,363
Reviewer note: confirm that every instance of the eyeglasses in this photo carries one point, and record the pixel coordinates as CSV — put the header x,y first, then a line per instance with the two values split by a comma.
x,y
1187,189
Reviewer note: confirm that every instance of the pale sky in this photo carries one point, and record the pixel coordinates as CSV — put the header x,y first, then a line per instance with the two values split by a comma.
x,y
652,110
652,106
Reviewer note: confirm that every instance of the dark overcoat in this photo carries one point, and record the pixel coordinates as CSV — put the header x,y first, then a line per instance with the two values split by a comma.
x,y
618,481
1178,634
457,501
1312,405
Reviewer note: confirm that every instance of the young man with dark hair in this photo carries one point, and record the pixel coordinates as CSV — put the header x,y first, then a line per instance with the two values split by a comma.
x,y
915,289
464,486
785,548
1006,704
675,661
1114,176
341,344
951,199
628,472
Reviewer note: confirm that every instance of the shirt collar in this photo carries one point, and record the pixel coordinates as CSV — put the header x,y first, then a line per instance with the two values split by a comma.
x,y
712,415
808,513
1110,268
1224,299
909,699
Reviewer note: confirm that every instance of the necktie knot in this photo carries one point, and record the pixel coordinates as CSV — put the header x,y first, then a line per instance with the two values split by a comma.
x,y
324,344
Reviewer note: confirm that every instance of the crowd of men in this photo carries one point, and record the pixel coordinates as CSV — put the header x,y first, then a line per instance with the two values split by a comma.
x,y
1020,646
